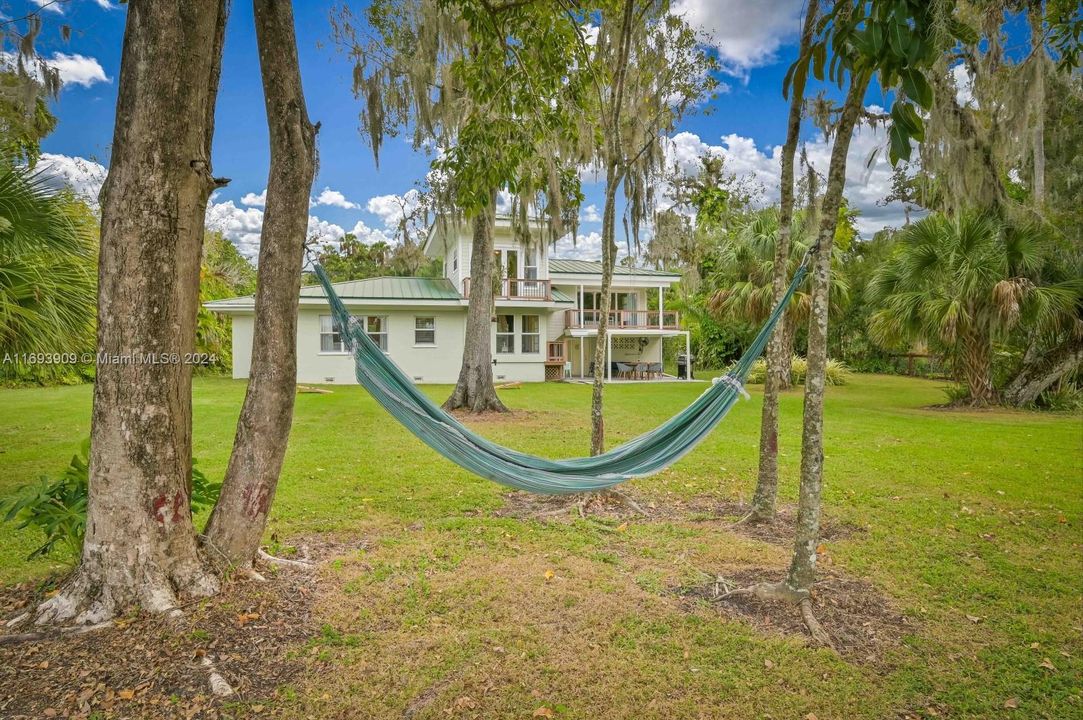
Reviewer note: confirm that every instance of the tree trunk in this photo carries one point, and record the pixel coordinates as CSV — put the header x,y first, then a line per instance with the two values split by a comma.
x,y
474,390
140,546
601,360
1037,377
977,363
237,523
803,566
766,495
1038,108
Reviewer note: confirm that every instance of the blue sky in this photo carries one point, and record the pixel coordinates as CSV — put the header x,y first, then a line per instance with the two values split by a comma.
x,y
745,123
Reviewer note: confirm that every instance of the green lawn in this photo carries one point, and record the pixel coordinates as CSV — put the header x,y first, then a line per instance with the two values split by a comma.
x,y
965,514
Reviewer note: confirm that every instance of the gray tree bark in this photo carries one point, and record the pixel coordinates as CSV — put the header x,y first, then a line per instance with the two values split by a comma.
x,y
1046,368
802,571
237,523
777,376
601,361
615,166
1038,107
474,390
140,546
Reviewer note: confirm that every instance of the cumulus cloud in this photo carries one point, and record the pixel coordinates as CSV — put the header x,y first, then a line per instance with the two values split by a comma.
x,y
83,177
106,5
745,34
964,86
74,69
590,214
254,200
585,247
78,69
369,235
392,208
866,185
333,198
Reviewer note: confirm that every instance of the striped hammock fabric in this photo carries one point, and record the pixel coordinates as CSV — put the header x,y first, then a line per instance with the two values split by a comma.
x,y
645,455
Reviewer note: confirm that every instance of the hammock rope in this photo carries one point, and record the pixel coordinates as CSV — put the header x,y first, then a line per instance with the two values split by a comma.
x,y
645,455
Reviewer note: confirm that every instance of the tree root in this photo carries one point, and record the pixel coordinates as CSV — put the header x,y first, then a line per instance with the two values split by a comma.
x,y
219,686
814,627
585,498
267,557
781,592
41,635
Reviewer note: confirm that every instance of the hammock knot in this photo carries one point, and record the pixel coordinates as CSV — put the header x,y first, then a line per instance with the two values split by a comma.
x,y
734,383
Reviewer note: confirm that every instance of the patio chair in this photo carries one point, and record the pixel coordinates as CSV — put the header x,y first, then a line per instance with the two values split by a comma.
x,y
624,369
654,370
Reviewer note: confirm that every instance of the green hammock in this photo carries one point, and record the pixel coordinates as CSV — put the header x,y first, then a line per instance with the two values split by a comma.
x,y
645,455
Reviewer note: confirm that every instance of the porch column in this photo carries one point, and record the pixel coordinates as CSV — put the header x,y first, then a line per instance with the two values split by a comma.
x,y
687,355
582,322
661,291
582,360
608,356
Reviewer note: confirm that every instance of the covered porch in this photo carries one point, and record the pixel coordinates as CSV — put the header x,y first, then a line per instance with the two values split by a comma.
x,y
632,355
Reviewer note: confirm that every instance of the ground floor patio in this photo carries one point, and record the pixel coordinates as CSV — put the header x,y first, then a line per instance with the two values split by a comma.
x,y
632,355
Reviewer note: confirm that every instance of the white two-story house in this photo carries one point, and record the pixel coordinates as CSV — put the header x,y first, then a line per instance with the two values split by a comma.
x,y
545,317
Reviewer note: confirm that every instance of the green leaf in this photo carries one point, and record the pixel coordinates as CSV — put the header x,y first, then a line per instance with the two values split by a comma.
x,y
900,144
917,88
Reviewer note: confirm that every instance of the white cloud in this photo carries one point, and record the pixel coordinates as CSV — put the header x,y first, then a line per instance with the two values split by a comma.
x,y
84,177
50,5
254,200
78,69
369,236
590,214
335,199
585,247
866,185
240,225
745,34
106,5
392,208
964,86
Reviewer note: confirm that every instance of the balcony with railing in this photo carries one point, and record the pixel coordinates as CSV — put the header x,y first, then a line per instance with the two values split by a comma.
x,y
623,319
517,289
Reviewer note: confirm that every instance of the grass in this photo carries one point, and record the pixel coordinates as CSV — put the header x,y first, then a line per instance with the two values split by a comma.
x,y
449,609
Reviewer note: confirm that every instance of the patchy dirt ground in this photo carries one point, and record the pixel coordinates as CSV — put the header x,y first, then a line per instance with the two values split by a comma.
x,y
702,509
152,667
863,624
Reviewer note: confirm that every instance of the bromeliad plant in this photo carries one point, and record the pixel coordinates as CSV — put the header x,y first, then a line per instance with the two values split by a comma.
x,y
57,506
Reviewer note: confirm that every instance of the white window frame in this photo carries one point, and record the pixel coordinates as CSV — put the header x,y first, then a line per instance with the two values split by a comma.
x,y
507,335
524,335
430,330
338,347
379,337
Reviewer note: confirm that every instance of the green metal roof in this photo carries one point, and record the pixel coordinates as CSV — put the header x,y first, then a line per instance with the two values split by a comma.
x,y
390,288
560,297
587,267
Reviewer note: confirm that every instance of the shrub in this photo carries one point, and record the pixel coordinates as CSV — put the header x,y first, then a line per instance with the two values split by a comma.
x,y
57,507
836,373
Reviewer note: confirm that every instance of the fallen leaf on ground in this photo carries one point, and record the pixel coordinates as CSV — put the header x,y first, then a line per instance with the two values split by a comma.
x,y
549,574
125,694
1047,664
622,527
1011,703
973,618
543,712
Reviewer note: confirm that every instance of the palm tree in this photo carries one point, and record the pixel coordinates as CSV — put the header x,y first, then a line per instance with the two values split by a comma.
x,y
745,270
961,282
47,268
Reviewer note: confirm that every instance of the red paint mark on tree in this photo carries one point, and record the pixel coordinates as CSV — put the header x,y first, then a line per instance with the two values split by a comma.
x,y
158,508
179,507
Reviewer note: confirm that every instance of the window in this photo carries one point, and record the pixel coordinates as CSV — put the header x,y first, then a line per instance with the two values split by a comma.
x,y
455,261
376,329
424,331
531,342
330,335
505,333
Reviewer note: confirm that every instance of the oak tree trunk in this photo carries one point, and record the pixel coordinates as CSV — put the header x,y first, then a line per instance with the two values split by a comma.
x,y
802,571
140,546
240,516
777,376
1037,90
601,359
1046,368
474,390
